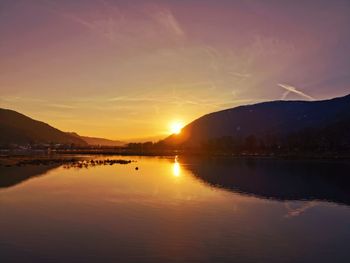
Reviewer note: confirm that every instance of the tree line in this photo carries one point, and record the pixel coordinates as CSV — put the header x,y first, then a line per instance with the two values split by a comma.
x,y
331,139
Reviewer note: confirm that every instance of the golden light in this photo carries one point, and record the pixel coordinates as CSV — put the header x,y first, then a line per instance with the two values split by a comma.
x,y
175,127
176,168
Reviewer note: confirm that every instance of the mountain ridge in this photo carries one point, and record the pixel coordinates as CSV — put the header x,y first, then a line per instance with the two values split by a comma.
x,y
279,118
97,141
17,128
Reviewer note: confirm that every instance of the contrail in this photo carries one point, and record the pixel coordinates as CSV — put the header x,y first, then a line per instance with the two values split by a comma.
x,y
290,89
292,212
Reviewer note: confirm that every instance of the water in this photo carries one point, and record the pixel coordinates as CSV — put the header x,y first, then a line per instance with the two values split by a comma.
x,y
184,210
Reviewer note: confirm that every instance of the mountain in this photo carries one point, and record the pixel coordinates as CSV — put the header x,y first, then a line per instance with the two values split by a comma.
x,y
94,141
155,138
17,128
276,119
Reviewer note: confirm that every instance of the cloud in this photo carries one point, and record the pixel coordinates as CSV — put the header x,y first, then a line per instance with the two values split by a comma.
x,y
239,74
176,100
121,24
61,106
102,18
290,89
167,20
134,99
18,99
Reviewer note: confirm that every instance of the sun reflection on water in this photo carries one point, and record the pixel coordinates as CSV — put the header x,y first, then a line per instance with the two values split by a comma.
x,y
176,168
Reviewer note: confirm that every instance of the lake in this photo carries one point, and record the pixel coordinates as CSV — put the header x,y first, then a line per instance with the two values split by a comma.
x,y
177,210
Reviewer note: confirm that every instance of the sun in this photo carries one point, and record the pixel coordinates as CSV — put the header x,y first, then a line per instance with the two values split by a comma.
x,y
175,127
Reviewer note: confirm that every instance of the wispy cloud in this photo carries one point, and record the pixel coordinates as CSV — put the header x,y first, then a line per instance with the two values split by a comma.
x,y
239,74
61,106
116,24
135,99
166,19
18,99
177,100
106,21
289,89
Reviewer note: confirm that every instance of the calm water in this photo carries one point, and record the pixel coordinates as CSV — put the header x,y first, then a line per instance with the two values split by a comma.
x,y
189,210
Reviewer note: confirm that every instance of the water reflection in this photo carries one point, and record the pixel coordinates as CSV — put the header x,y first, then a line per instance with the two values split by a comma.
x,y
176,211
176,167
276,179
272,179
12,176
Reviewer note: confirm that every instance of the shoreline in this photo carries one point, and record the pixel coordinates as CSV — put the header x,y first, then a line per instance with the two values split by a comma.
x,y
11,156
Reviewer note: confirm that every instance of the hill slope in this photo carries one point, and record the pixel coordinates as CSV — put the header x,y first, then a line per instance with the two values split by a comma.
x,y
94,141
20,129
276,118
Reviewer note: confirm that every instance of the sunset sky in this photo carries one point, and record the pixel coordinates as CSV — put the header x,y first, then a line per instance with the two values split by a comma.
x,y
128,69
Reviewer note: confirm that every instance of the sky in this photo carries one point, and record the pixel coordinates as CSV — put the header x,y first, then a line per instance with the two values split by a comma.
x,y
128,69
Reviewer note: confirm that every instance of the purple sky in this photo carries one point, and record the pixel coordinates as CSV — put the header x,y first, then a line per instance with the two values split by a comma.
x,y
126,69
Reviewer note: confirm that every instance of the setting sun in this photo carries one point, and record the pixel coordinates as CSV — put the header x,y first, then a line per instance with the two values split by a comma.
x,y
175,127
